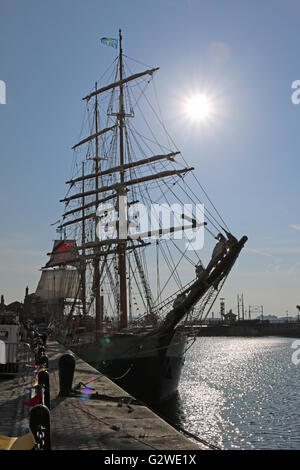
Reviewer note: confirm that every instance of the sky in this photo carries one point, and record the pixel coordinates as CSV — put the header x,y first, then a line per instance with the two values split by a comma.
x,y
242,54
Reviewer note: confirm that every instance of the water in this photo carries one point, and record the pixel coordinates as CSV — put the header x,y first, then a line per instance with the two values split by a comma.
x,y
240,393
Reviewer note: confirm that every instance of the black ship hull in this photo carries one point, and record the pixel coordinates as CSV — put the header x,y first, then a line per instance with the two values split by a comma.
x,y
146,366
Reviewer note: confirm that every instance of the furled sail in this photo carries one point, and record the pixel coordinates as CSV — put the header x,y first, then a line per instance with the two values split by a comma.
x,y
58,284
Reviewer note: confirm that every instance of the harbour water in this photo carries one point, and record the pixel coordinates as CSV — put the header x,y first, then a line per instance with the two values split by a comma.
x,y
240,393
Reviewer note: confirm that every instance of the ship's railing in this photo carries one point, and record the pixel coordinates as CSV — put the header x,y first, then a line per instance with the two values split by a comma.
x,y
165,306
15,358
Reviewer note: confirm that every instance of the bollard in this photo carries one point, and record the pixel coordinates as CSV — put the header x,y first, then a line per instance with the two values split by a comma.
x,y
39,423
66,365
43,379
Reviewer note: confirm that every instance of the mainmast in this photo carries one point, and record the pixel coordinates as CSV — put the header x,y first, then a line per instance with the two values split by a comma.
x,y
122,245
96,250
83,264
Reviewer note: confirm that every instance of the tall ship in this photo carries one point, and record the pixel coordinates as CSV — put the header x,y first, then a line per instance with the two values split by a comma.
x,y
126,274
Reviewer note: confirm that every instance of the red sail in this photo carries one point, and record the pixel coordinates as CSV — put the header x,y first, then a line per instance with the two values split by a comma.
x,y
64,252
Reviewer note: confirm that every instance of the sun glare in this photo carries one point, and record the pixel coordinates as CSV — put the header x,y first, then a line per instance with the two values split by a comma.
x,y
198,107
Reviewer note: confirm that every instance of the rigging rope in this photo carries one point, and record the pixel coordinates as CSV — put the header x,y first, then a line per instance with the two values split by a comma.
x,y
173,142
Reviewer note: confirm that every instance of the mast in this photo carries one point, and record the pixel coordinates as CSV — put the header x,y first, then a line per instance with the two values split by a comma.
x,y
122,245
83,266
96,250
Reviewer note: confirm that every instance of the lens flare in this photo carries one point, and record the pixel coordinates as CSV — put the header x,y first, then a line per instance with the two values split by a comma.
x,y
86,392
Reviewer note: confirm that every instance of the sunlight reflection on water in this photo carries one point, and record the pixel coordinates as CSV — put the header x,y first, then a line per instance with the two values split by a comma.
x,y
241,393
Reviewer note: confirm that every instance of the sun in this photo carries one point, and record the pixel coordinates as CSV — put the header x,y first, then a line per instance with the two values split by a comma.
x,y
198,107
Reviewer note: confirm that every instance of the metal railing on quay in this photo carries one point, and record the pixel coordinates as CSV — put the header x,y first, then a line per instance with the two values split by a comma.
x,y
15,358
